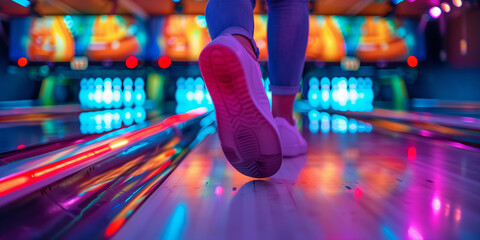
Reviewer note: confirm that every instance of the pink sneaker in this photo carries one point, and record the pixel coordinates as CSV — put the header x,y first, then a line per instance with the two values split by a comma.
x,y
246,127
293,144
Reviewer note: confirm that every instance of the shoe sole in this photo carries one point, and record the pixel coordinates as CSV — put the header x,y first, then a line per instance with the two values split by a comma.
x,y
249,139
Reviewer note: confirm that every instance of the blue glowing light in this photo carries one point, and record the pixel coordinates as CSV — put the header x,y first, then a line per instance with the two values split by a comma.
x,y
107,93
356,94
176,224
336,123
107,120
24,3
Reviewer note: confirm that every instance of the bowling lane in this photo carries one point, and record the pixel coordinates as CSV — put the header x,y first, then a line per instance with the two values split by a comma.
x,y
37,129
378,185
94,200
30,133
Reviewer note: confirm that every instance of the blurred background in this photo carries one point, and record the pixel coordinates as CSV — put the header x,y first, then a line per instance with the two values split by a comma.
x,y
420,56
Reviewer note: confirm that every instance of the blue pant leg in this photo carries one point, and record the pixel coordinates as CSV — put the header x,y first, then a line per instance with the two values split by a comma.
x,y
287,42
232,17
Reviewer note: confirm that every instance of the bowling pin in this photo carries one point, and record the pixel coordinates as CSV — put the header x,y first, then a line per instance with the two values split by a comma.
x,y
107,93
139,114
325,122
335,99
117,93
342,94
199,95
128,116
98,95
313,121
325,93
90,93
314,92
127,92
139,92
353,94
83,94
180,95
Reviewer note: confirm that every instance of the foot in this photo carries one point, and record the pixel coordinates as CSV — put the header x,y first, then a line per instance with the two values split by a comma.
x,y
293,143
246,128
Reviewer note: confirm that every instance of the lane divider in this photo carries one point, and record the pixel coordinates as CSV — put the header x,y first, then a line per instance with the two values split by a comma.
x,y
17,181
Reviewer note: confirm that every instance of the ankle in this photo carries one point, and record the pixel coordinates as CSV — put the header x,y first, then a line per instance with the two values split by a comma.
x,y
246,44
282,106
289,119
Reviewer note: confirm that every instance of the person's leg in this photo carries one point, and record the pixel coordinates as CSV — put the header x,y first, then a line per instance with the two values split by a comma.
x,y
232,17
246,128
287,42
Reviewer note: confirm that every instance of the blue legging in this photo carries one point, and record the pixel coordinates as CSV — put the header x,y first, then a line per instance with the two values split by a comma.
x,y
287,35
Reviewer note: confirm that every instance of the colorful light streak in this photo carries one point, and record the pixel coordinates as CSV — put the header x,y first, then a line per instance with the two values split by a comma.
x,y
133,201
17,181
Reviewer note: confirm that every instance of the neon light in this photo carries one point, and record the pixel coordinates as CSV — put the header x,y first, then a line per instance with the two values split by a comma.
x,y
131,62
17,181
118,144
412,153
457,3
358,192
12,183
412,61
436,205
175,226
446,7
114,226
219,190
22,62
23,3
435,12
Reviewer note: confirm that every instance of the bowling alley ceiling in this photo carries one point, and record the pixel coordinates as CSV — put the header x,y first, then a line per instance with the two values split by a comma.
x,y
145,8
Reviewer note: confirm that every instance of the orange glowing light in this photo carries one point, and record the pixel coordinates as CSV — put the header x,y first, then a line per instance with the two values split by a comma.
x,y
114,226
412,61
12,183
457,3
118,143
463,47
446,7
458,214
22,62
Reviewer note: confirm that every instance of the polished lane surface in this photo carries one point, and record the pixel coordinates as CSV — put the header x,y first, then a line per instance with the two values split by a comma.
x,y
379,185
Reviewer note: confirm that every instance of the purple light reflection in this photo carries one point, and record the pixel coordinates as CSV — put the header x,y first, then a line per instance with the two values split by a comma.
x,y
425,133
468,119
219,190
436,205
414,234
462,146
